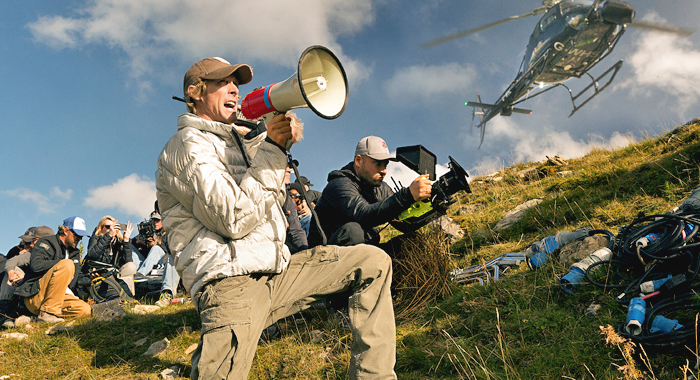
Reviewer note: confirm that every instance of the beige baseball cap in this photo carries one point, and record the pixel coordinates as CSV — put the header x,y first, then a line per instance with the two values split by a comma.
x,y
216,68
374,147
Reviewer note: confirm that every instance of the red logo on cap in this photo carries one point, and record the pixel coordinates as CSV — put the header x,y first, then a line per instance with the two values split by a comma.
x,y
384,145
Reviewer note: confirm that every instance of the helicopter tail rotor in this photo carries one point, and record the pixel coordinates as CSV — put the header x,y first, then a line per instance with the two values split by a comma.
x,y
477,111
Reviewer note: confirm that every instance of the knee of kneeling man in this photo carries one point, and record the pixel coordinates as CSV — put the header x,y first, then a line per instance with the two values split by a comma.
x,y
66,264
84,310
378,257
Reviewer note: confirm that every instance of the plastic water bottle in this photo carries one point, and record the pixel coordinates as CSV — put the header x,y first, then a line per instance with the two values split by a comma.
x,y
577,271
635,316
538,253
565,237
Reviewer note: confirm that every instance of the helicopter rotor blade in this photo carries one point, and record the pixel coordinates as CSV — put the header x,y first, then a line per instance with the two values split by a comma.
x,y
684,32
454,36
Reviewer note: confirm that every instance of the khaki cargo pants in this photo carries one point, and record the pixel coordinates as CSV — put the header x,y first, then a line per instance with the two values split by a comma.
x,y
235,310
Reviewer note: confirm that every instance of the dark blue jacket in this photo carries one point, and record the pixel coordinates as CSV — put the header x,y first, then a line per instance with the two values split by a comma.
x,y
101,248
347,198
47,252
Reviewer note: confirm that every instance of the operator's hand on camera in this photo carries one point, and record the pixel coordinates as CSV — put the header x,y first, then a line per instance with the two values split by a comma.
x,y
279,129
128,231
420,188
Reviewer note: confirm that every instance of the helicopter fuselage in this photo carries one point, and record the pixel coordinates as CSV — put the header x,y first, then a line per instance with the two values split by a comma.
x,y
567,42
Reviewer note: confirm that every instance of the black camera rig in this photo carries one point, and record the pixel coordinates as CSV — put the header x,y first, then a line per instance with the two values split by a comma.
x,y
423,162
147,229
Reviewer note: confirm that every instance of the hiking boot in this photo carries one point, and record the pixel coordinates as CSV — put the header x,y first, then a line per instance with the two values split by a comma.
x,y
7,323
166,298
45,317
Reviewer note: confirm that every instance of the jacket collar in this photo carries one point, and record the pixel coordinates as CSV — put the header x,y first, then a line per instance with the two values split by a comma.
x,y
191,120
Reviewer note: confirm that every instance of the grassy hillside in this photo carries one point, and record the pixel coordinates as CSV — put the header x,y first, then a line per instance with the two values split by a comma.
x,y
521,327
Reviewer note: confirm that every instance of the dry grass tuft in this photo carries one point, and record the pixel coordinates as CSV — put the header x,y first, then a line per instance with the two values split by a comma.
x,y
421,267
627,348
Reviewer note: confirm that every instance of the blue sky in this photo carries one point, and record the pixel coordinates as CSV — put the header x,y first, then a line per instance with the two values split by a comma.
x,y
87,89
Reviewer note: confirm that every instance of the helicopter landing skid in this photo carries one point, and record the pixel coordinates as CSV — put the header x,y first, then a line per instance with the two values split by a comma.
x,y
612,71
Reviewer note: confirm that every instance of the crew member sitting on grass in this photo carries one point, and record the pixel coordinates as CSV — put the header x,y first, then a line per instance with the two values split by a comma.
x,y
53,271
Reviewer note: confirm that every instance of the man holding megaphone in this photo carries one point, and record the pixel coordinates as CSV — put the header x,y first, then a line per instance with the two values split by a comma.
x,y
220,190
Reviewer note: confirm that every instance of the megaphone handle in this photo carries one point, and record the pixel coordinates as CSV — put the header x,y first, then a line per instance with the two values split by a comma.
x,y
267,118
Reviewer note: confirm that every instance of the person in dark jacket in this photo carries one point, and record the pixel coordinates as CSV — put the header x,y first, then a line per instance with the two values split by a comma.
x,y
53,273
312,196
357,200
25,245
109,245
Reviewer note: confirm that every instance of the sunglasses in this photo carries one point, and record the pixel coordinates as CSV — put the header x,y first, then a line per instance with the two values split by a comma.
x,y
107,225
294,195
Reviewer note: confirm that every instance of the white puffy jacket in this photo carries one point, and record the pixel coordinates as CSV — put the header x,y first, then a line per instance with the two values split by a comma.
x,y
217,227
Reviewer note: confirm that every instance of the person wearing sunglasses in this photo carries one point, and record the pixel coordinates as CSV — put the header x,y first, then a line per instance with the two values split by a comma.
x,y
110,245
220,194
47,290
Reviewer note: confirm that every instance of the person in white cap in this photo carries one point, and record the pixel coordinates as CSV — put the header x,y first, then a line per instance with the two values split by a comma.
x,y
53,271
220,194
356,199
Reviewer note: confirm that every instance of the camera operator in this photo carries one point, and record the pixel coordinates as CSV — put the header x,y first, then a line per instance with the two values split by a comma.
x,y
110,245
356,199
150,241
221,199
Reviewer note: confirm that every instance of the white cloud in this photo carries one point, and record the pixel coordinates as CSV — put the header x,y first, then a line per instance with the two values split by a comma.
x,y
152,32
133,195
424,83
400,173
45,204
520,145
58,193
58,32
667,62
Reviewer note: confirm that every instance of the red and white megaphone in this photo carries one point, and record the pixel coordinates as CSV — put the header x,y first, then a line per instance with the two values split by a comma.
x,y
319,84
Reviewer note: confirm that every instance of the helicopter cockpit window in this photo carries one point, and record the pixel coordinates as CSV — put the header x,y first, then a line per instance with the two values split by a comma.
x,y
575,15
548,19
575,20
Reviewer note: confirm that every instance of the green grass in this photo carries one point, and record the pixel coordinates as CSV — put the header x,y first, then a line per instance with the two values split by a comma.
x,y
521,327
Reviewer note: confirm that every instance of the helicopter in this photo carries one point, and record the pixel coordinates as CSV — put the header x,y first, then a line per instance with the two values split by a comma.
x,y
570,38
